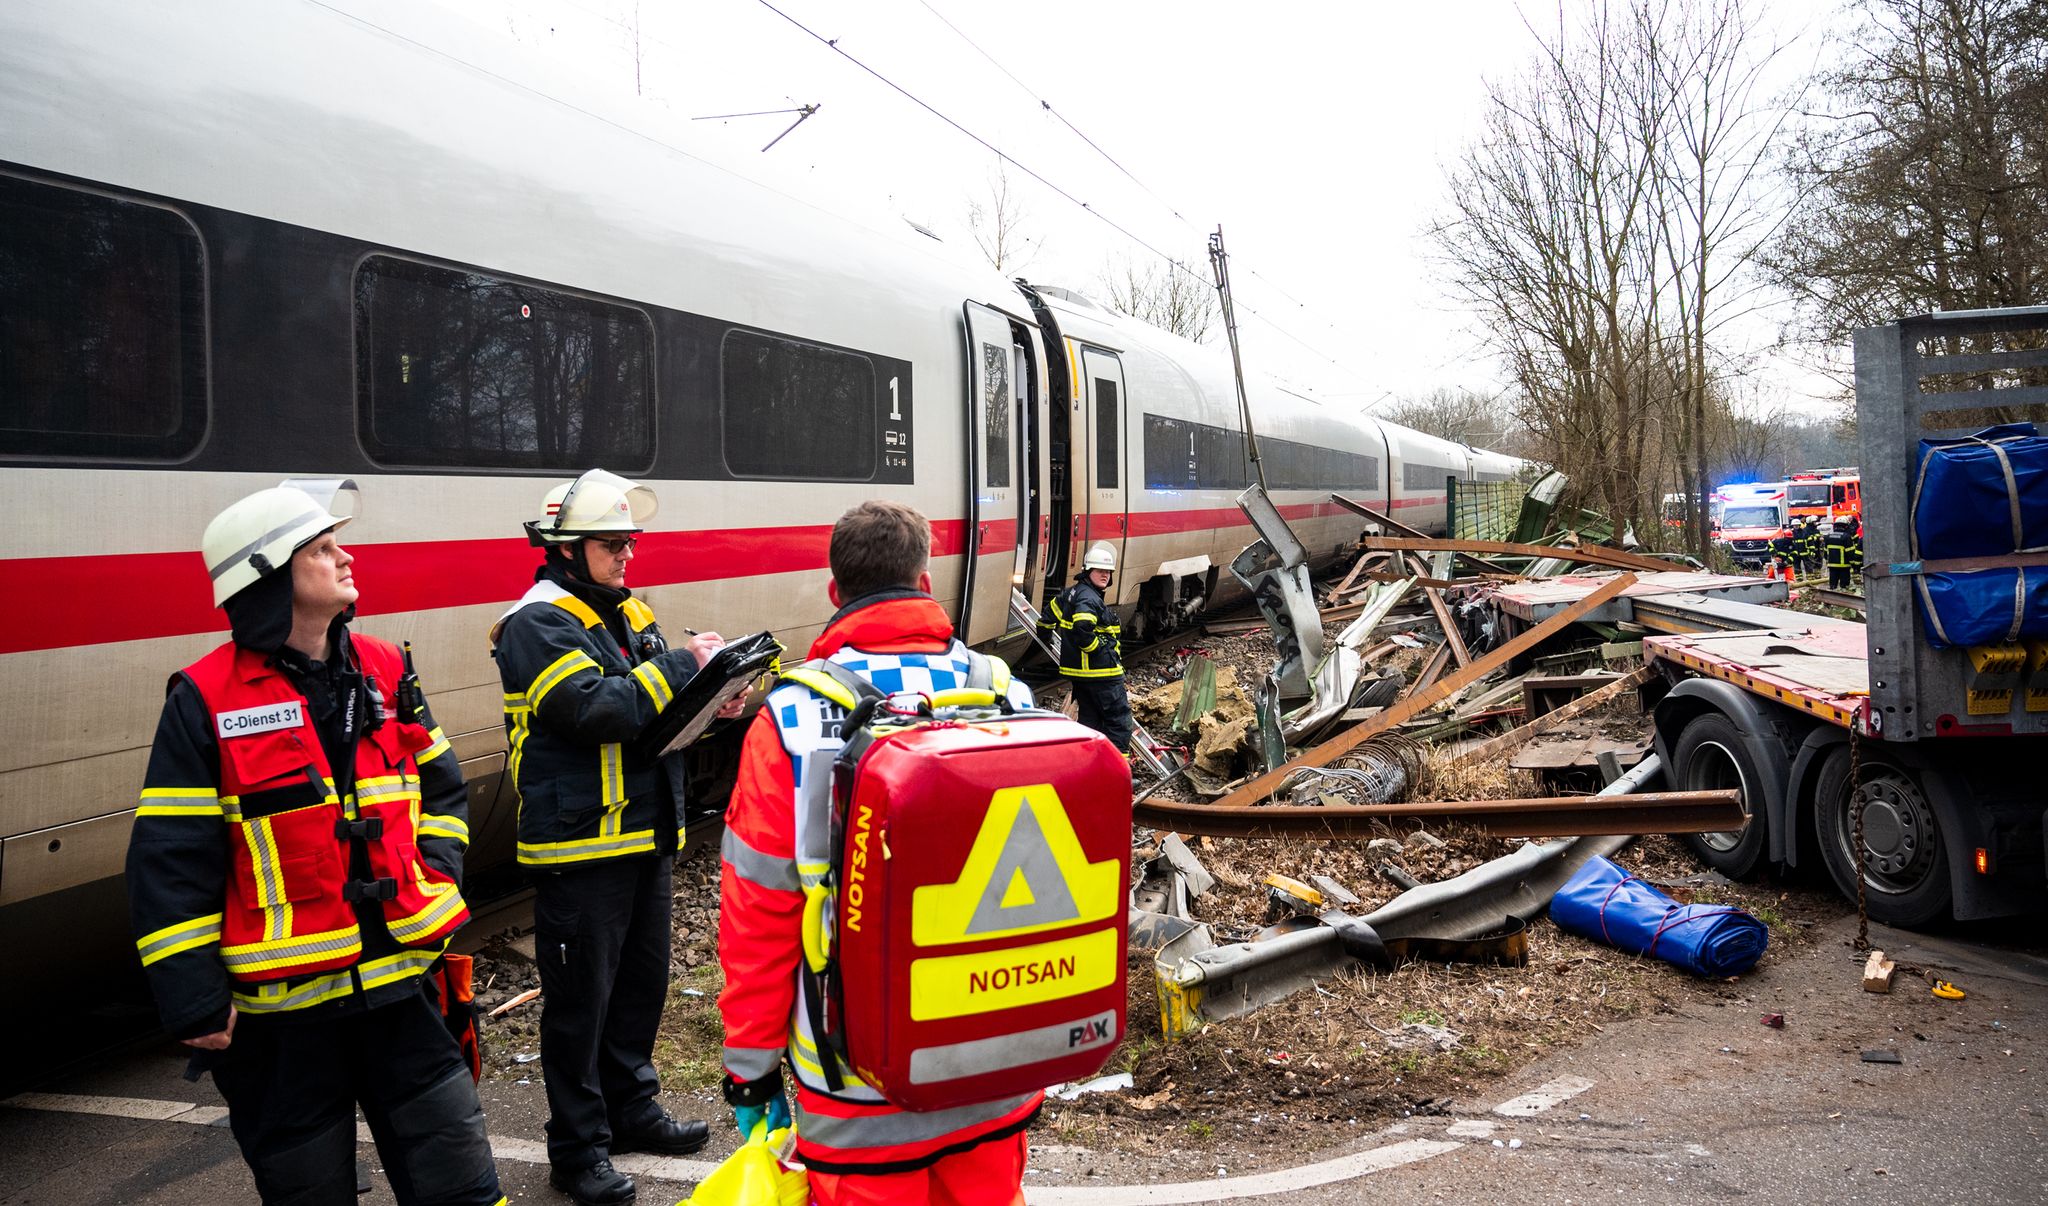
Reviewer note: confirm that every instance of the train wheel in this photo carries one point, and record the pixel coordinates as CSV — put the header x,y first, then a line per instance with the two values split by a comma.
x,y
1904,862
1711,756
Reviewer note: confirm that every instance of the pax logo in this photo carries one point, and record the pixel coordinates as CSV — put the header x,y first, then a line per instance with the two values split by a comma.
x,y
1089,1033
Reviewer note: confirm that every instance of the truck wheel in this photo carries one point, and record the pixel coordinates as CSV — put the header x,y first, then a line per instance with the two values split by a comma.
x,y
1904,862
1711,755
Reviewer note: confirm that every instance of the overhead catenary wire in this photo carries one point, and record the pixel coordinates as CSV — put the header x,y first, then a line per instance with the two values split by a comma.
x,y
1094,146
1173,264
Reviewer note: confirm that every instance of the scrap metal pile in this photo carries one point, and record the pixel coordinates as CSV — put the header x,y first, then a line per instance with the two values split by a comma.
x,y
1451,652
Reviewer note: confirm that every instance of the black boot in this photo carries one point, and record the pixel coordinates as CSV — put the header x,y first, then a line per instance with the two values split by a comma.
x,y
598,1185
663,1135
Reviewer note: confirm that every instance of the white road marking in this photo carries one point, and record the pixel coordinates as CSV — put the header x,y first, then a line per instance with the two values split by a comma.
x,y
1541,1098
661,1168
1286,1180
670,1168
146,1109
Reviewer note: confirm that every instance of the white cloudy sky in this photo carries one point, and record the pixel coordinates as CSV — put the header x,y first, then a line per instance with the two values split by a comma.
x,y
1316,133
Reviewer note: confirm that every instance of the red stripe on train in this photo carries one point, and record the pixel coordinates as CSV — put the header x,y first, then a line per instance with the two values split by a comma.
x,y
136,596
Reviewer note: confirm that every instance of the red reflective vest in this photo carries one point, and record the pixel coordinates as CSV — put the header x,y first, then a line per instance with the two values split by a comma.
x,y
290,907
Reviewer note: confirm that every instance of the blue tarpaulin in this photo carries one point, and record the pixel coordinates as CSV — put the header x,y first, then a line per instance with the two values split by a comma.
x,y
1605,902
1982,496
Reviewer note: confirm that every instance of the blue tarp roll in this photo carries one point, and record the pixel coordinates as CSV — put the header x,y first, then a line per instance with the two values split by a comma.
x,y
1606,903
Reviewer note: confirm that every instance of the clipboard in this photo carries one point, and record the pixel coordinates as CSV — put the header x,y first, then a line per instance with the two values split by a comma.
x,y
731,673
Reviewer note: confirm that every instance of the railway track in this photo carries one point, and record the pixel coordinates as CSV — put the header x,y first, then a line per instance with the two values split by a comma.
x,y
1839,598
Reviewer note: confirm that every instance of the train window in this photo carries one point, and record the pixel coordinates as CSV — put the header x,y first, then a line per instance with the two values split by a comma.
x,y
995,375
1415,475
1180,454
1107,455
798,412
461,368
102,326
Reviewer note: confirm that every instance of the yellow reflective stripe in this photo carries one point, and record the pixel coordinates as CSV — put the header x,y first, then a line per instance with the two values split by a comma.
x,y
655,682
1112,672
269,876
388,787
557,670
543,853
435,825
824,684
578,608
276,998
1083,615
611,774
438,913
268,954
168,941
433,751
179,802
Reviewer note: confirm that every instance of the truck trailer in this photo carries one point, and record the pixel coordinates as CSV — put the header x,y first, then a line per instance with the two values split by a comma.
x,y
1907,751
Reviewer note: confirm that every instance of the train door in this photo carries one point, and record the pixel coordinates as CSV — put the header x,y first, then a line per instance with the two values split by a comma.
x,y
1100,513
993,532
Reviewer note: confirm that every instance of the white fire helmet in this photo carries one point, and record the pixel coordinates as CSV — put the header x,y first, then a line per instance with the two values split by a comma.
x,y
1100,557
258,535
596,504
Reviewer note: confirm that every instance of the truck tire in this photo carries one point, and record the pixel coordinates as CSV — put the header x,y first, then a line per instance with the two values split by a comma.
x,y
1905,863
1710,755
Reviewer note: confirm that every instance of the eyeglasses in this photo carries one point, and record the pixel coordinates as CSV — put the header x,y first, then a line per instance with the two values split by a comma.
x,y
618,544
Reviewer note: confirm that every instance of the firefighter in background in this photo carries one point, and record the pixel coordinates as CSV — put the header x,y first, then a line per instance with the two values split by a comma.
x,y
1810,547
294,873
585,670
1838,556
858,1147
1090,658
1781,554
1856,552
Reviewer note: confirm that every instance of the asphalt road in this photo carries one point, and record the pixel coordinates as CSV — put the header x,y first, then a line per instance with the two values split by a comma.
x,y
1704,1103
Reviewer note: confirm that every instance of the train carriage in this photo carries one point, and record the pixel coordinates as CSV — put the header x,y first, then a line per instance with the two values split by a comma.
x,y
251,240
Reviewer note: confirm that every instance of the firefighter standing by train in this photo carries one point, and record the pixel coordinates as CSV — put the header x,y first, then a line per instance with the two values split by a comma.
x,y
1091,657
586,670
294,874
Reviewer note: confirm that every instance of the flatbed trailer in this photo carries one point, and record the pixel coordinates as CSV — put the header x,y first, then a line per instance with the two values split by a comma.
x,y
1922,770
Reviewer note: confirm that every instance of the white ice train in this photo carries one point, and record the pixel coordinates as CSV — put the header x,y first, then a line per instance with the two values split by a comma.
x,y
250,240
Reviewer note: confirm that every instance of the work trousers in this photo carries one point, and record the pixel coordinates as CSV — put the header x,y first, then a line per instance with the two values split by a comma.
x,y
1104,707
601,936
987,1174
1838,577
292,1088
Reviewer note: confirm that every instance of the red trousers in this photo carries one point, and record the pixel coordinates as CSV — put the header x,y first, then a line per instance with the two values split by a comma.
x,y
987,1174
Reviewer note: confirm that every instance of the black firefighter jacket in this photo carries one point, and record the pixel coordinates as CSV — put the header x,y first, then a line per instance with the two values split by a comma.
x,y
1088,632
585,671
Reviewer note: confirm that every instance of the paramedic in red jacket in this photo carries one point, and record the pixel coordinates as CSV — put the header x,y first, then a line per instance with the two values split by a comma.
x,y
859,1148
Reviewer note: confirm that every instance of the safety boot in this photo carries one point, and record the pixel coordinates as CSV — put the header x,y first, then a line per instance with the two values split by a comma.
x,y
663,1135
598,1185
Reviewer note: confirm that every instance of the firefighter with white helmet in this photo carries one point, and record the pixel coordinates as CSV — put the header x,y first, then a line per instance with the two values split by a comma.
x,y
586,670
1090,657
294,873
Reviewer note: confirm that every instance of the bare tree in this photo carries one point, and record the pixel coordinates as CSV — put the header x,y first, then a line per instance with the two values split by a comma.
x,y
1923,183
1457,414
1173,296
998,221
1601,227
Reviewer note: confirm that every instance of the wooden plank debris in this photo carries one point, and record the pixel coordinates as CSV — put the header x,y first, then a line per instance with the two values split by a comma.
x,y
1418,702
1550,720
1396,525
1452,637
1589,555
1877,973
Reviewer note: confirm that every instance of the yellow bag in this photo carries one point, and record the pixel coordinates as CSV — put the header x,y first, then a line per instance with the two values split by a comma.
x,y
755,1175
